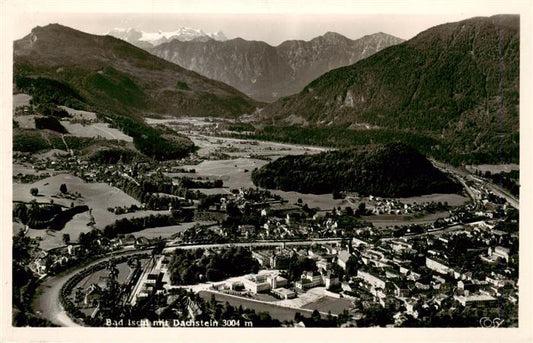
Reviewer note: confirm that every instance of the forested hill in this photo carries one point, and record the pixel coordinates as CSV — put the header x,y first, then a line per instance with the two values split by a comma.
x,y
458,82
391,170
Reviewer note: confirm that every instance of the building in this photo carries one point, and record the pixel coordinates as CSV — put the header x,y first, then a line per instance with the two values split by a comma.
x,y
323,263
331,280
500,252
373,280
438,265
277,281
256,283
308,280
280,261
263,283
284,293
343,258
476,300
263,257
466,287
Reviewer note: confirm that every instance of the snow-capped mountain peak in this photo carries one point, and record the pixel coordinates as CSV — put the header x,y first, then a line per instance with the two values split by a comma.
x,y
184,34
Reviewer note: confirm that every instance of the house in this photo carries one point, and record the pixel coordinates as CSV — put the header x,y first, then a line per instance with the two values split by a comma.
x,y
142,241
246,230
411,306
346,287
357,242
401,289
498,280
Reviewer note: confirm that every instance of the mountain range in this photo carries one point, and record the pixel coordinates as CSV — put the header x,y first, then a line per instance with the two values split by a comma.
x,y
458,82
145,40
114,76
266,72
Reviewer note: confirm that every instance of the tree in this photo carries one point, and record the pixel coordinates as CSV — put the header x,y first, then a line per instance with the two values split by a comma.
x,y
315,315
34,191
351,266
21,211
63,188
79,297
361,209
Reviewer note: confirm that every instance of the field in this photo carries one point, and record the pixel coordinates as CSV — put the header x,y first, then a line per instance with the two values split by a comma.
x,y
98,196
235,173
325,304
95,130
163,231
236,170
277,312
51,154
25,169
21,100
385,220
25,122
495,168
79,114
451,199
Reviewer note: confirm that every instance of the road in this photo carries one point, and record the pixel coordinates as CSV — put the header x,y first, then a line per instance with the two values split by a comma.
x,y
450,228
47,304
460,174
511,200
254,244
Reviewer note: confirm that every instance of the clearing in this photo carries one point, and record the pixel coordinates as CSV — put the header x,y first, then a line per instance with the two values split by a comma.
x,y
79,114
20,100
95,130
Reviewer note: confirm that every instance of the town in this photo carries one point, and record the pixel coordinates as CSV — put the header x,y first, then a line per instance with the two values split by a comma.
x,y
197,241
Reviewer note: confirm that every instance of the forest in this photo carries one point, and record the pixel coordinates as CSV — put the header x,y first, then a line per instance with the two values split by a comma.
x,y
391,170
192,266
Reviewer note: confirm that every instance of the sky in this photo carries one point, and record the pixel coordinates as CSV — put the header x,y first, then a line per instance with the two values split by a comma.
x,y
269,21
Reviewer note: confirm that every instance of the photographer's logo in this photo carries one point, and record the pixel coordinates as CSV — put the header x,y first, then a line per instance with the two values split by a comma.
x,y
487,322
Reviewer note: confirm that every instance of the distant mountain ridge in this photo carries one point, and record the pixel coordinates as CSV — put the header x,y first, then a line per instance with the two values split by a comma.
x,y
145,40
458,82
265,72
112,75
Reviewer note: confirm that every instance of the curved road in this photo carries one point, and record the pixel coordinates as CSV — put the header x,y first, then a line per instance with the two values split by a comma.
x,y
46,303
